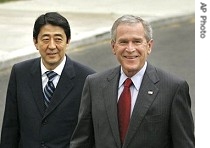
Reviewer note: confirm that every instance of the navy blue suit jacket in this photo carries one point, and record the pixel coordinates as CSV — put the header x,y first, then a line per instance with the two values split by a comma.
x,y
26,123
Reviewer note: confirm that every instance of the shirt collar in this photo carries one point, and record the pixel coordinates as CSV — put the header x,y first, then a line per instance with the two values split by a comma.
x,y
58,69
136,79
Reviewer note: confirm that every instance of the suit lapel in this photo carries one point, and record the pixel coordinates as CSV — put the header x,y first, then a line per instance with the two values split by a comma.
x,y
36,85
64,85
147,94
110,99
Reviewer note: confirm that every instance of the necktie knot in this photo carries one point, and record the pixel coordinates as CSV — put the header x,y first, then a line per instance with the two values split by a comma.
x,y
51,75
128,82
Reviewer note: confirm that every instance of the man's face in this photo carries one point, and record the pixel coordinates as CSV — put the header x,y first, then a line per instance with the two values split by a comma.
x,y
131,47
52,44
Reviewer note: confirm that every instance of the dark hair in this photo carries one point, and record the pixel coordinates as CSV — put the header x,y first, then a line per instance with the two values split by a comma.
x,y
52,18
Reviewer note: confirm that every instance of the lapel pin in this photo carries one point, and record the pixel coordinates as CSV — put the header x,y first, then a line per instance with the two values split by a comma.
x,y
150,92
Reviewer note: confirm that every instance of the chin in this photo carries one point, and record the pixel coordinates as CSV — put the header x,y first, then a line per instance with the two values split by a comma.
x,y
52,61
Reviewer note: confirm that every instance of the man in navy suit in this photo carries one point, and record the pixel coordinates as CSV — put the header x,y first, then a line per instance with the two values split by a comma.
x,y
28,122
160,108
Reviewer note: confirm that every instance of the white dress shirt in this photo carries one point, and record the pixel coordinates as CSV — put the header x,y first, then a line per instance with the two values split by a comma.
x,y
58,70
136,79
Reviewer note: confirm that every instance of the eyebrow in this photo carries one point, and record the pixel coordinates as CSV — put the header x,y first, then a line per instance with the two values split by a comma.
x,y
46,35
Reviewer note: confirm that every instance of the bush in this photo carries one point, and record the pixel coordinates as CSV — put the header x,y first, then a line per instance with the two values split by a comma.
x,y
2,1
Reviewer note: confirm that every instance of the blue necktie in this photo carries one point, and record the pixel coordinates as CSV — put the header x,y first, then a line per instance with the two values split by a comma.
x,y
49,88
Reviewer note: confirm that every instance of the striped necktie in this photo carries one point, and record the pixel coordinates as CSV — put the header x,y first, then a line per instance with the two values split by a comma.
x,y
49,88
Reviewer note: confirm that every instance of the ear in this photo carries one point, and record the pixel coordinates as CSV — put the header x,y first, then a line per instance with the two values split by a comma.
x,y
68,42
35,43
113,47
150,45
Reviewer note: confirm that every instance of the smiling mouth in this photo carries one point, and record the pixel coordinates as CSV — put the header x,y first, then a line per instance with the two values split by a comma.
x,y
51,53
130,57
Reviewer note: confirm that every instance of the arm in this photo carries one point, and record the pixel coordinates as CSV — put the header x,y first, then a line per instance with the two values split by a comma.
x,y
83,136
10,127
182,124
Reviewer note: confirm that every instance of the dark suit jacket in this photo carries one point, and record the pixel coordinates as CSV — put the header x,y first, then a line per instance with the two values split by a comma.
x,y
26,123
161,117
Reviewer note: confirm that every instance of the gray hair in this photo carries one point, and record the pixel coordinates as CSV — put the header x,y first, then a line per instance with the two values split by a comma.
x,y
131,19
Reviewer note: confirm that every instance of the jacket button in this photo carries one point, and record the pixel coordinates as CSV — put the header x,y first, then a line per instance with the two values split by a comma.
x,y
43,145
44,122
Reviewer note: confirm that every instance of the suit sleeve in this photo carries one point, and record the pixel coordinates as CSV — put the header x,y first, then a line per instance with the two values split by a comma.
x,y
182,124
83,136
10,127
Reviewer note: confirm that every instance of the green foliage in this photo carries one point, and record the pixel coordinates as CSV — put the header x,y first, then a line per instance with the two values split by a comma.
x,y
3,1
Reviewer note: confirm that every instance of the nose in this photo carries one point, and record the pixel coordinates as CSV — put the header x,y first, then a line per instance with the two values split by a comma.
x,y
52,44
130,47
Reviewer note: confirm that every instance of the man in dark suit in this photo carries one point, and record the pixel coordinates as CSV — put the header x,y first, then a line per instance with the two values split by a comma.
x,y
33,118
159,104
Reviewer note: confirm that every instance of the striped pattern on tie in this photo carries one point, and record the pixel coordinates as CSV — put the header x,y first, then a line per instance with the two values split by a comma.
x,y
49,88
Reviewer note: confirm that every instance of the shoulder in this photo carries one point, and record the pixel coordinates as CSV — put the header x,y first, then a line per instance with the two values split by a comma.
x,y
163,76
27,64
83,67
78,67
104,76
168,75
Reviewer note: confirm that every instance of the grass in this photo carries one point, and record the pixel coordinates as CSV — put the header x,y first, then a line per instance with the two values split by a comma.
x,y
3,1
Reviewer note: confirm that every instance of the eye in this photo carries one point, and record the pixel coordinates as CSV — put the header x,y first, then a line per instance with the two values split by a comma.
x,y
138,41
45,39
122,42
58,39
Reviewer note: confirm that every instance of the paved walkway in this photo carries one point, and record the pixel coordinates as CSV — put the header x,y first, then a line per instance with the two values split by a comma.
x,y
90,21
